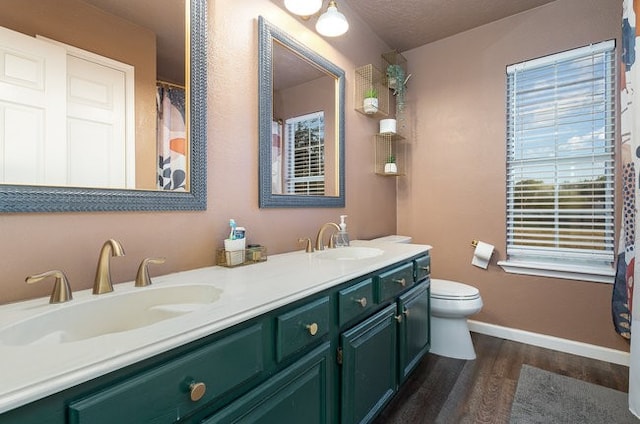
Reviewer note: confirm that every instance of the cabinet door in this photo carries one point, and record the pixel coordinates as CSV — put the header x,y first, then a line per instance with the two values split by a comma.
x,y
369,364
415,328
297,395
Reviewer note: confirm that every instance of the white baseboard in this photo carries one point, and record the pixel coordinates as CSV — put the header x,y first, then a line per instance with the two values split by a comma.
x,y
550,342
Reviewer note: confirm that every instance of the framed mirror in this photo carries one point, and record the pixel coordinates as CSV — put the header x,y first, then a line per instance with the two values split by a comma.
x,y
301,120
191,66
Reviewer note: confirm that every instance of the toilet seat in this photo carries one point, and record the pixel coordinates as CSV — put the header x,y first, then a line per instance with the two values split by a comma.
x,y
452,290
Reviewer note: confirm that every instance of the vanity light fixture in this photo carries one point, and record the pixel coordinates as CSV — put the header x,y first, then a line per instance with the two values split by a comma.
x,y
332,23
303,8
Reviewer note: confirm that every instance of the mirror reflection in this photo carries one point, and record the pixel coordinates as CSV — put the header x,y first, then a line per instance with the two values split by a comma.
x,y
92,94
40,198
301,124
303,151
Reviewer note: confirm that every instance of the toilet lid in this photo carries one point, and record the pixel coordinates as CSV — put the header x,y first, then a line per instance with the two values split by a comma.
x,y
445,289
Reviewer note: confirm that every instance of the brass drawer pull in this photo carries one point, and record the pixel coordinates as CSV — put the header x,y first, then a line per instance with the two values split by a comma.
x,y
401,281
406,312
313,328
425,268
362,302
398,318
197,390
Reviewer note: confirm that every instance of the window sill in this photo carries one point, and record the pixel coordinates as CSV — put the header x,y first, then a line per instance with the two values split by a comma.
x,y
569,272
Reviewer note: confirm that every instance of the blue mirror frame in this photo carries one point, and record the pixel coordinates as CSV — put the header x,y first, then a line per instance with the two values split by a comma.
x,y
266,34
17,198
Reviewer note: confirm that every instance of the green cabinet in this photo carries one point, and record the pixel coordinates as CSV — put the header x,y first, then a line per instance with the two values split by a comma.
x,y
393,282
414,332
170,391
298,394
302,327
337,356
355,301
380,352
368,366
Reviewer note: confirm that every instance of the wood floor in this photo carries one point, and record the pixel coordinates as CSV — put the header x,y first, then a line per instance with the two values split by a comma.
x,y
445,390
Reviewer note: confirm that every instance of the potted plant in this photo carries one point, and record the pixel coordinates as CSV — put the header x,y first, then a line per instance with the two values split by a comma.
x,y
390,167
370,102
397,81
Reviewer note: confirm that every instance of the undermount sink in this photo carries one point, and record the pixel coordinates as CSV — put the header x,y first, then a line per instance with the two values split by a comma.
x,y
107,314
350,253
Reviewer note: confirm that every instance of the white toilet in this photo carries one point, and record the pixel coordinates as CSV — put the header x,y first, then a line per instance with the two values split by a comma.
x,y
451,304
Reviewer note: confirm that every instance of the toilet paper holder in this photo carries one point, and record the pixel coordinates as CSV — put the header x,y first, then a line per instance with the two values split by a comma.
x,y
474,243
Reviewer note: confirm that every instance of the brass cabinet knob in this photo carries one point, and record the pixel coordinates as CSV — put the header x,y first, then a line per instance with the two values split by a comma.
x,y
362,302
401,281
197,390
425,268
398,318
406,312
313,328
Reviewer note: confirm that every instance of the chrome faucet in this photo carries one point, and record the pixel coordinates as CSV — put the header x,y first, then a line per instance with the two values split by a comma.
x,y
102,283
319,243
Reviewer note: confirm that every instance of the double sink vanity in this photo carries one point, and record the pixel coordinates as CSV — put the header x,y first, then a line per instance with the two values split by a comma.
x,y
321,337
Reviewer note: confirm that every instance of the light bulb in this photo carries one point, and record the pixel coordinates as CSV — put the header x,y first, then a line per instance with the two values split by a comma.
x,y
332,23
303,7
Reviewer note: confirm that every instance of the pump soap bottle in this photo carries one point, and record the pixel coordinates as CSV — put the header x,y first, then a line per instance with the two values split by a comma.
x,y
342,237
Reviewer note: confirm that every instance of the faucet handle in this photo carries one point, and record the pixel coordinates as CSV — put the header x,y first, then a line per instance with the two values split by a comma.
x,y
61,290
142,278
308,246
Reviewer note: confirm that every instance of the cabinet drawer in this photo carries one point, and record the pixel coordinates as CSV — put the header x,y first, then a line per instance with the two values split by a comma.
x,y
355,300
394,281
423,267
164,394
298,394
301,327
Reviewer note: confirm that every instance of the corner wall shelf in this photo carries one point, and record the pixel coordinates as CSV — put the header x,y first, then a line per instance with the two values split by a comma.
x,y
368,77
390,145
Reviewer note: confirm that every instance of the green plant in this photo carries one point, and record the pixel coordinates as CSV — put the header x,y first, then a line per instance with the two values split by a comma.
x,y
396,74
371,93
391,159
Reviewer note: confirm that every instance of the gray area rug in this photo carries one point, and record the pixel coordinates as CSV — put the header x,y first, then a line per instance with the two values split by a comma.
x,y
546,397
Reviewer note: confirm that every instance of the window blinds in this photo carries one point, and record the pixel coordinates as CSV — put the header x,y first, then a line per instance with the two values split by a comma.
x,y
560,157
305,154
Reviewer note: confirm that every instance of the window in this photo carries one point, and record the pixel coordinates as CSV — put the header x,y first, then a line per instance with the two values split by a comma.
x,y
304,167
560,164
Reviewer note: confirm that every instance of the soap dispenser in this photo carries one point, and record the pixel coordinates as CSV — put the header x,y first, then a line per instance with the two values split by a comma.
x,y
342,237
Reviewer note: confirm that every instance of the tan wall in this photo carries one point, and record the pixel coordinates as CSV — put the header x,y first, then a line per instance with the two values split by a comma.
x,y
455,191
31,243
75,23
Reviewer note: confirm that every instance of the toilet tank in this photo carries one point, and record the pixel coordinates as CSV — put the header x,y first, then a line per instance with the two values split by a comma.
x,y
394,239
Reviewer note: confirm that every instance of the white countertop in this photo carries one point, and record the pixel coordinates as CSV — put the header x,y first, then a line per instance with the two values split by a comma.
x,y
31,372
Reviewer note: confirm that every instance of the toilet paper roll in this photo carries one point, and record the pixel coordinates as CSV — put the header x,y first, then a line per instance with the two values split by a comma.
x,y
387,126
482,255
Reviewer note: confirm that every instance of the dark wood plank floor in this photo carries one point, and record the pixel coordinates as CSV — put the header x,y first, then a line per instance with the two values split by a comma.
x,y
445,390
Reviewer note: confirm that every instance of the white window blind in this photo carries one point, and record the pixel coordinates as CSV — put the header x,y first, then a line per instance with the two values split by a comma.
x,y
560,158
304,167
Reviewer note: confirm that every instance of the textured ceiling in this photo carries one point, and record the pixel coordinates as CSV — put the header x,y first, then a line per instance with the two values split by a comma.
x,y
406,24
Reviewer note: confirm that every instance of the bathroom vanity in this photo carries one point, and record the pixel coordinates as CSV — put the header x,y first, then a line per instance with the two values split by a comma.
x,y
300,338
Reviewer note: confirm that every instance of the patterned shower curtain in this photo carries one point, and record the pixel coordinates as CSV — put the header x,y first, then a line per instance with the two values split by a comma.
x,y
624,287
171,138
276,156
